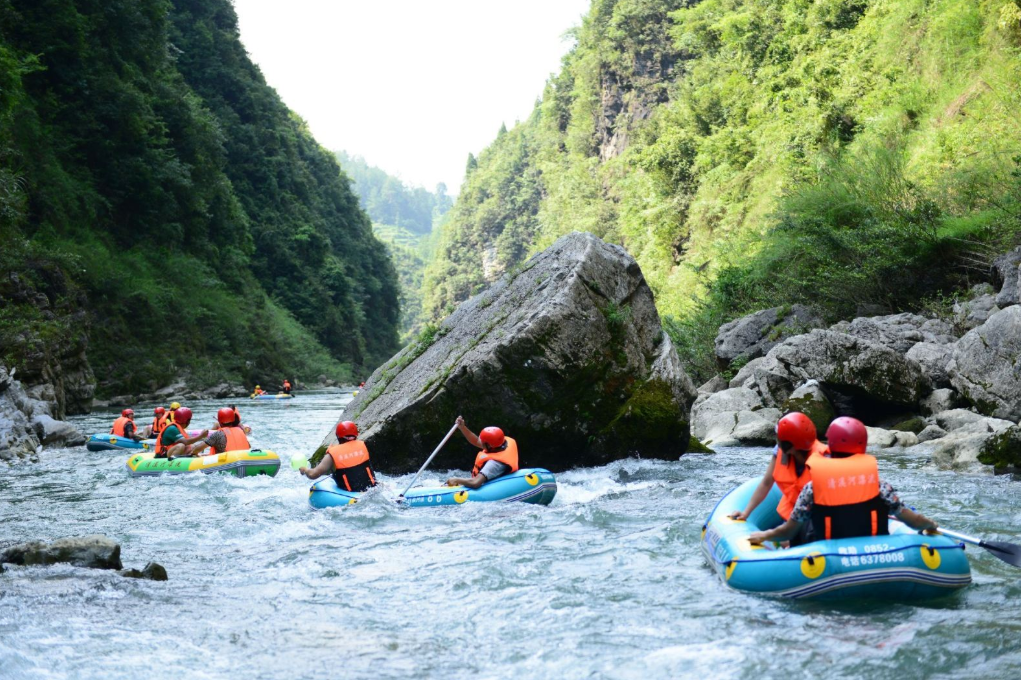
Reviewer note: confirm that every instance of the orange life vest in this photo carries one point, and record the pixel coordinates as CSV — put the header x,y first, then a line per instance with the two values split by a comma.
x,y
118,426
352,468
846,500
507,455
789,481
236,439
156,425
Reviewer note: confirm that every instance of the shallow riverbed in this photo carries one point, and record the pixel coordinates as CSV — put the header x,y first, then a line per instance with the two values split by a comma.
x,y
608,582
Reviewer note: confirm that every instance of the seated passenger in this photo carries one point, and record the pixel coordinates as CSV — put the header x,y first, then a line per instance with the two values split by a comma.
x,y
156,426
174,442
226,437
125,426
258,391
287,386
845,497
236,422
348,461
498,457
788,468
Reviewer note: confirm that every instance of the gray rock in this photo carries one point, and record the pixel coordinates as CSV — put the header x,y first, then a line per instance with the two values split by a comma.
x,y
959,450
986,365
899,332
931,433
56,432
975,312
940,400
17,436
715,384
1002,450
1006,274
960,419
811,400
884,439
934,359
731,417
97,552
752,336
152,571
566,354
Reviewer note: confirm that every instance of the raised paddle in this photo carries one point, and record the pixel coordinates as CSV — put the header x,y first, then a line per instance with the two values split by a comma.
x,y
1008,552
427,461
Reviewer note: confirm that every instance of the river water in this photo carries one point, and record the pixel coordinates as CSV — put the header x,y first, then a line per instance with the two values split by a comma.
x,y
607,582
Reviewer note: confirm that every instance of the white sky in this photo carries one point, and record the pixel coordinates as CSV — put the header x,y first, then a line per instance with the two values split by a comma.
x,y
413,86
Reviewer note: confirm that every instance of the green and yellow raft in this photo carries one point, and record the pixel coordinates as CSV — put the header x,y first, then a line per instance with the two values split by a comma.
x,y
238,463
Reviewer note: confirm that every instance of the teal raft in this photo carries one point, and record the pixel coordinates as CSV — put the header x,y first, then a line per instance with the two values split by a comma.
x,y
904,565
264,397
532,485
111,442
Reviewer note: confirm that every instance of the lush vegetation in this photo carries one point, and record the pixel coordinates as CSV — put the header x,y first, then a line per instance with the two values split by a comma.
x,y
846,153
148,170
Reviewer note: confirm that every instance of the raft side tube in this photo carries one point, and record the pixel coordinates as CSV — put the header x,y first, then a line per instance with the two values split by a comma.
x,y
238,463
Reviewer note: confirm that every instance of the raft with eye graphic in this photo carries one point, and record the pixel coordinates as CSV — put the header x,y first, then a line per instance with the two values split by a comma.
x,y
531,485
903,565
112,442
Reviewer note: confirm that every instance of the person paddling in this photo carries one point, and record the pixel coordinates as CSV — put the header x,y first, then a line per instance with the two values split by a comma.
x,y
796,444
174,442
498,457
258,391
347,460
227,436
845,497
287,386
125,426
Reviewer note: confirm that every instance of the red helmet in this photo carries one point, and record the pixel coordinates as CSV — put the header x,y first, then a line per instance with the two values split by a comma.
x,y
159,410
182,416
225,416
847,435
128,413
346,428
492,437
798,429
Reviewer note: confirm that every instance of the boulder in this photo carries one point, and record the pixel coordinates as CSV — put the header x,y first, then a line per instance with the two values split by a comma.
x,y
566,353
733,417
959,450
716,384
884,439
986,365
934,359
976,311
97,552
940,400
17,436
1003,449
930,433
56,432
810,399
152,571
752,336
1006,275
899,332
960,419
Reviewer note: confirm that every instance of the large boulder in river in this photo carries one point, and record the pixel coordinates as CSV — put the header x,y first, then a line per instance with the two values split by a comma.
x,y
752,336
733,417
97,552
566,354
986,365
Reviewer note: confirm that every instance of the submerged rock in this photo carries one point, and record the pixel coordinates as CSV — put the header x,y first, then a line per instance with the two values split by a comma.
x,y
97,552
152,571
986,365
567,355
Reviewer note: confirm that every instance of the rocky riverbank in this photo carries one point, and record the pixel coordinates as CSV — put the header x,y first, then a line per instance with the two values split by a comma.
x,y
950,384
27,424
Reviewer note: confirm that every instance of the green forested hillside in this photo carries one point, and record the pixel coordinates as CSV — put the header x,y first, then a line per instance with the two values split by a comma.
x,y
147,169
759,152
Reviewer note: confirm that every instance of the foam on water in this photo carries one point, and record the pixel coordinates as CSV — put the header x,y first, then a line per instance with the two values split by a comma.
x,y
607,582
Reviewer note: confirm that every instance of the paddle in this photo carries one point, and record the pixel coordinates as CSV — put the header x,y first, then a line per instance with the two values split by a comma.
x,y
427,461
1008,552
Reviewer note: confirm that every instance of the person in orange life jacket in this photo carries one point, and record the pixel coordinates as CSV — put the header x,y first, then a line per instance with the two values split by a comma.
x,y
845,497
125,426
155,427
168,416
287,386
174,442
259,390
227,436
347,460
499,456
788,468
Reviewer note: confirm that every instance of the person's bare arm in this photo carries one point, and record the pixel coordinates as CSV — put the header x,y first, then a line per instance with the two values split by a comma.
x,y
472,438
761,491
197,438
473,483
916,520
784,532
324,468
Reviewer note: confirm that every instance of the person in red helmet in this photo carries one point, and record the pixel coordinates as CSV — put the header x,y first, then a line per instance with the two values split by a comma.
x,y
347,460
498,457
125,426
236,422
174,442
156,426
227,436
845,497
796,444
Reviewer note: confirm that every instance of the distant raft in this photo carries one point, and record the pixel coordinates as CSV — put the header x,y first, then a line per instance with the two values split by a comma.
x,y
904,565
238,463
533,485
282,395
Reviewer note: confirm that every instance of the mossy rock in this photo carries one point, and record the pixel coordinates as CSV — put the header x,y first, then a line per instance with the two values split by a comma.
x,y
695,446
1002,450
652,416
916,425
821,413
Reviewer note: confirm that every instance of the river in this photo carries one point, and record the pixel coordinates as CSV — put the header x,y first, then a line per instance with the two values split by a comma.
x,y
607,582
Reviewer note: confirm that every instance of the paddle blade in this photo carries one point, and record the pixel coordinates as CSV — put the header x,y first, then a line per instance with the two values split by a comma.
x,y
299,463
1008,552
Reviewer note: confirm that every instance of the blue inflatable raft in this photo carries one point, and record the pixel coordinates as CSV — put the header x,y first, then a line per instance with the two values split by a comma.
x,y
265,397
111,442
532,485
905,565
